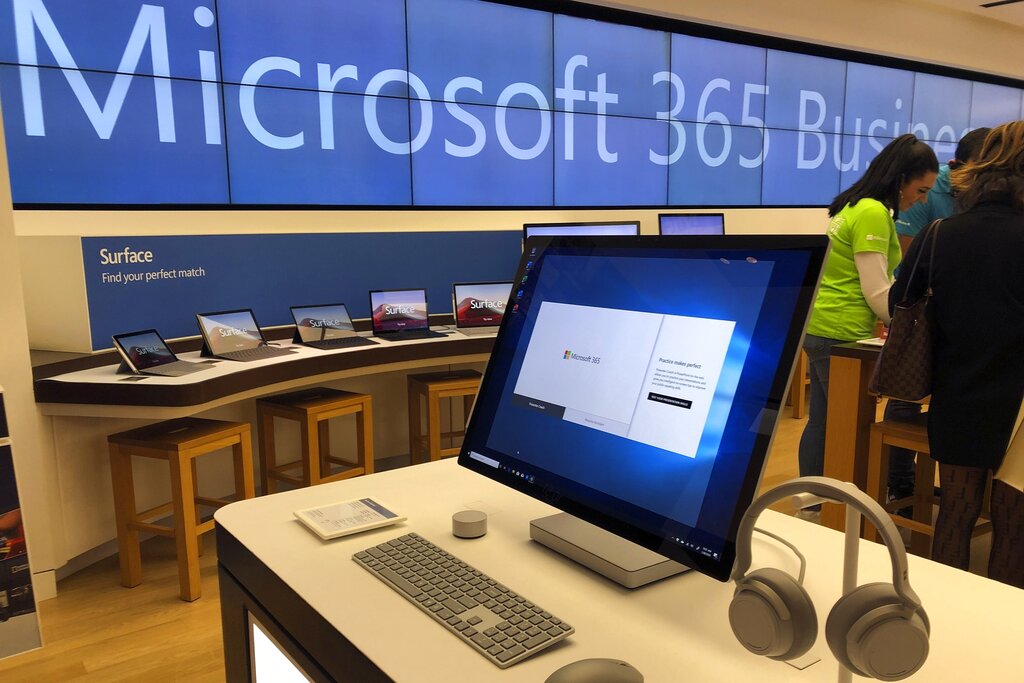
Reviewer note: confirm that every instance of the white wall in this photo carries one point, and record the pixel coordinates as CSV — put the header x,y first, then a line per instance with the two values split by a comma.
x,y
906,28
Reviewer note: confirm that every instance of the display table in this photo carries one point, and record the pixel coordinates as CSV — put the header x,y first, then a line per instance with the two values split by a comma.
x,y
101,392
340,623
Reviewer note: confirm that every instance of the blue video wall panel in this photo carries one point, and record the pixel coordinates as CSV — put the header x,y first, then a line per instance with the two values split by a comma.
x,y
440,103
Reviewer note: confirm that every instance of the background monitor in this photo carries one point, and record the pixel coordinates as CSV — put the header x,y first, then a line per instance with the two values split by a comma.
x,y
691,223
394,310
581,229
636,382
479,304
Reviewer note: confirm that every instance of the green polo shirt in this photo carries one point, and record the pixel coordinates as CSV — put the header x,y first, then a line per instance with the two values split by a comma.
x,y
840,311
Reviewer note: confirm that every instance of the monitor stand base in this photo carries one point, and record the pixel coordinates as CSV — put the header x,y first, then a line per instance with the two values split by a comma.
x,y
622,561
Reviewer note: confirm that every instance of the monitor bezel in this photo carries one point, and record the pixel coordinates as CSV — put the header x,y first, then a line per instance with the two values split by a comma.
x,y
291,309
206,338
455,312
579,224
692,213
721,567
373,321
119,347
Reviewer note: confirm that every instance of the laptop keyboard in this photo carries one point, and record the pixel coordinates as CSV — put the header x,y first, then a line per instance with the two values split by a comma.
x,y
341,343
256,353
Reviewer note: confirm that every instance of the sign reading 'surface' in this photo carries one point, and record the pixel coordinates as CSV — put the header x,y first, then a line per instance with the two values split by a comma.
x,y
438,102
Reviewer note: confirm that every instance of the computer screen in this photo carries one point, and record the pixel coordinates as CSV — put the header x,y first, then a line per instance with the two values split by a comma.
x,y
322,322
581,229
636,382
393,310
144,349
227,331
691,224
479,304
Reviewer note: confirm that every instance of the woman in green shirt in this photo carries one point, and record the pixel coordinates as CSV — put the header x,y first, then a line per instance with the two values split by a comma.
x,y
854,288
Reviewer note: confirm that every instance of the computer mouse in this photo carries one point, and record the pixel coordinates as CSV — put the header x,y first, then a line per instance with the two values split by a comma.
x,y
596,671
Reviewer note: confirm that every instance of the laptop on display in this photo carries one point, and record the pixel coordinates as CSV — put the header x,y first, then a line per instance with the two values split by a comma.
x,y
691,223
398,314
235,335
479,306
326,326
146,353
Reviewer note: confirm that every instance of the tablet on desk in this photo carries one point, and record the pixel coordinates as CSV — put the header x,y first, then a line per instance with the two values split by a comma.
x,y
874,341
348,517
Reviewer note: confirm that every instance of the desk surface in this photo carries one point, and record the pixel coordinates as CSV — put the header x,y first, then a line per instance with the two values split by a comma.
x,y
674,631
101,392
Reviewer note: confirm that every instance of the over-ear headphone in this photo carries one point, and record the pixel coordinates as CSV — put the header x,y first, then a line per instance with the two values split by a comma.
x,y
878,630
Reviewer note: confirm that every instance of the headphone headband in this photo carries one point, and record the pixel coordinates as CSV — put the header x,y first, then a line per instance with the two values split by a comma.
x,y
845,492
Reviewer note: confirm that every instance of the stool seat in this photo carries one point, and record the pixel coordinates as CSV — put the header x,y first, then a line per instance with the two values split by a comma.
x,y
312,408
912,435
180,442
433,387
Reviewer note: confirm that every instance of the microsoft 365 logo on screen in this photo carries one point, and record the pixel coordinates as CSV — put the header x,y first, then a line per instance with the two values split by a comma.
x,y
571,355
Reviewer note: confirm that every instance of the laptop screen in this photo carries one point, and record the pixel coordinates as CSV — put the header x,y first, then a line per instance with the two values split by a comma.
x,y
691,224
319,323
480,304
230,330
143,350
395,310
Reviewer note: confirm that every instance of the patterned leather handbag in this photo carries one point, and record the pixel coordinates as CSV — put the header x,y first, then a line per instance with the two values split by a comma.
x,y
904,368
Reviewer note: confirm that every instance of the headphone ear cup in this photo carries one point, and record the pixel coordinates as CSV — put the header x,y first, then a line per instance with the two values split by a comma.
x,y
873,633
772,615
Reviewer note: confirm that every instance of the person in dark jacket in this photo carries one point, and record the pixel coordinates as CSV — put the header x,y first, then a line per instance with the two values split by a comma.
x,y
978,341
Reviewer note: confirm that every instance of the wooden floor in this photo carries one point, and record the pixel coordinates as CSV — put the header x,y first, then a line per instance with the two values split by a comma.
x,y
95,630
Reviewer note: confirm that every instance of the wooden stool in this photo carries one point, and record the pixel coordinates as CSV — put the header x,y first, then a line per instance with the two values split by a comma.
x,y
434,387
179,442
312,408
912,435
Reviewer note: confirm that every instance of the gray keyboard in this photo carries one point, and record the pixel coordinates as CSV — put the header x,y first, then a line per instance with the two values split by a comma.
x,y
502,625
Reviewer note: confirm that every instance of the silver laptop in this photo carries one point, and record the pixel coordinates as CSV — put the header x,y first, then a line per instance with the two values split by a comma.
x,y
146,353
479,306
235,335
326,326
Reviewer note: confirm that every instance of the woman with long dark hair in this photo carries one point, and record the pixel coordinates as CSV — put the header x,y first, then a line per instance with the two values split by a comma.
x,y
978,336
858,273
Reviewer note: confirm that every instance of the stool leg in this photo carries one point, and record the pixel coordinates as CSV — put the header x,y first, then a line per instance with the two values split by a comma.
x,y
310,446
128,551
242,454
268,452
364,437
467,407
185,527
878,468
195,496
414,425
434,425
924,491
324,435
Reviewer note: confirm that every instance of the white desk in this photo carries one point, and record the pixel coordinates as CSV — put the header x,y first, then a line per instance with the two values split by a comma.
x,y
332,614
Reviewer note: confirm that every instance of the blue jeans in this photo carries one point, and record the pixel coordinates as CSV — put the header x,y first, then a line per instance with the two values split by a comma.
x,y
812,443
901,461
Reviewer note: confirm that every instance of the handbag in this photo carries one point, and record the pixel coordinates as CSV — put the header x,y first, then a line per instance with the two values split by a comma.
x,y
904,368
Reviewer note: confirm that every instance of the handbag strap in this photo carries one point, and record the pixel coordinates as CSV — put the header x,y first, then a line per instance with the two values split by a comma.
x,y
933,232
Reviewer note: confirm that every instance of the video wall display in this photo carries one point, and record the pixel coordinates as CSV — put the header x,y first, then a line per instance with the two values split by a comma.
x,y
441,103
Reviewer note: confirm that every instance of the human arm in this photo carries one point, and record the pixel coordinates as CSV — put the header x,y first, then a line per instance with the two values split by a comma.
x,y
873,270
